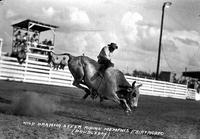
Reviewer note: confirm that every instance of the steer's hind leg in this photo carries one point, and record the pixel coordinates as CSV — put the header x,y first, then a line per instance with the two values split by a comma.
x,y
77,84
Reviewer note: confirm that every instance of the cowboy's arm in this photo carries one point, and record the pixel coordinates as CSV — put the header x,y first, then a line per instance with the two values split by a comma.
x,y
107,53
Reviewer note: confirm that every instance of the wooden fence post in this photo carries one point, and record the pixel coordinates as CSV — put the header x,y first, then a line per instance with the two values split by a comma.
x,y
50,73
25,67
1,44
0,64
164,90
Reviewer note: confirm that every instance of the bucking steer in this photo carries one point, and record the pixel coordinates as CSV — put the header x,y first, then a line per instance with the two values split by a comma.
x,y
112,86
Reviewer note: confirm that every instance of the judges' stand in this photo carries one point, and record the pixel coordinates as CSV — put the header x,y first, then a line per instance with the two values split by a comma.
x,y
29,32
30,36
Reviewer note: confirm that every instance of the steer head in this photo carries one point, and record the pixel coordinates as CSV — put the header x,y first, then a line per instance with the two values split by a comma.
x,y
130,93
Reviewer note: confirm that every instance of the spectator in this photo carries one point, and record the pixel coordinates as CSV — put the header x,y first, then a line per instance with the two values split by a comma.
x,y
35,37
45,42
56,63
18,38
25,37
191,84
63,63
35,43
50,43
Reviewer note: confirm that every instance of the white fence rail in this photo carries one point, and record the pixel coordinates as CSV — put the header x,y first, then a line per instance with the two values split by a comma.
x,y
39,72
34,72
160,88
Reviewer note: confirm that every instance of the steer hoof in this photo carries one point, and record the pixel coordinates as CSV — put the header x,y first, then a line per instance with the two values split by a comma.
x,y
128,112
134,108
83,98
93,96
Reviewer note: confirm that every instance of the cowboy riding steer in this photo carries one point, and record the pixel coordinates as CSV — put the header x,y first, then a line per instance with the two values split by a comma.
x,y
112,86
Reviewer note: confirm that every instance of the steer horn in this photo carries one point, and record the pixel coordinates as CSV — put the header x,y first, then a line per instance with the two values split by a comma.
x,y
138,86
133,84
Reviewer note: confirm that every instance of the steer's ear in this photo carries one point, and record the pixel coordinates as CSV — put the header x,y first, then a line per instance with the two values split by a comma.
x,y
133,84
138,86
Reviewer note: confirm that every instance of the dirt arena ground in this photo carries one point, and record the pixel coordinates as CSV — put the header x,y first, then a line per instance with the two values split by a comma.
x,y
41,111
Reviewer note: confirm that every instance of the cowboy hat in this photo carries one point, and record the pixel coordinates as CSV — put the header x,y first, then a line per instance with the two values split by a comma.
x,y
113,45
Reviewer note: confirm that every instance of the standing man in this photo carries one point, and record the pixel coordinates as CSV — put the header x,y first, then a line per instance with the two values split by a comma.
x,y
63,63
104,57
18,38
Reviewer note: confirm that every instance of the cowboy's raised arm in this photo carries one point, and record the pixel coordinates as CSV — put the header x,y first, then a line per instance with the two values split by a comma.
x,y
107,52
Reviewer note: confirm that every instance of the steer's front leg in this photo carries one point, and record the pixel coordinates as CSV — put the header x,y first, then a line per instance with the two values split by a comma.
x,y
122,102
126,108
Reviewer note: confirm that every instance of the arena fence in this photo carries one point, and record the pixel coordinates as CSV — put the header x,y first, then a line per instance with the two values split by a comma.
x,y
36,71
33,71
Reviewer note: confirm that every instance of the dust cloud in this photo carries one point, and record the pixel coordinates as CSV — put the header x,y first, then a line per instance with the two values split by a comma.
x,y
35,104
